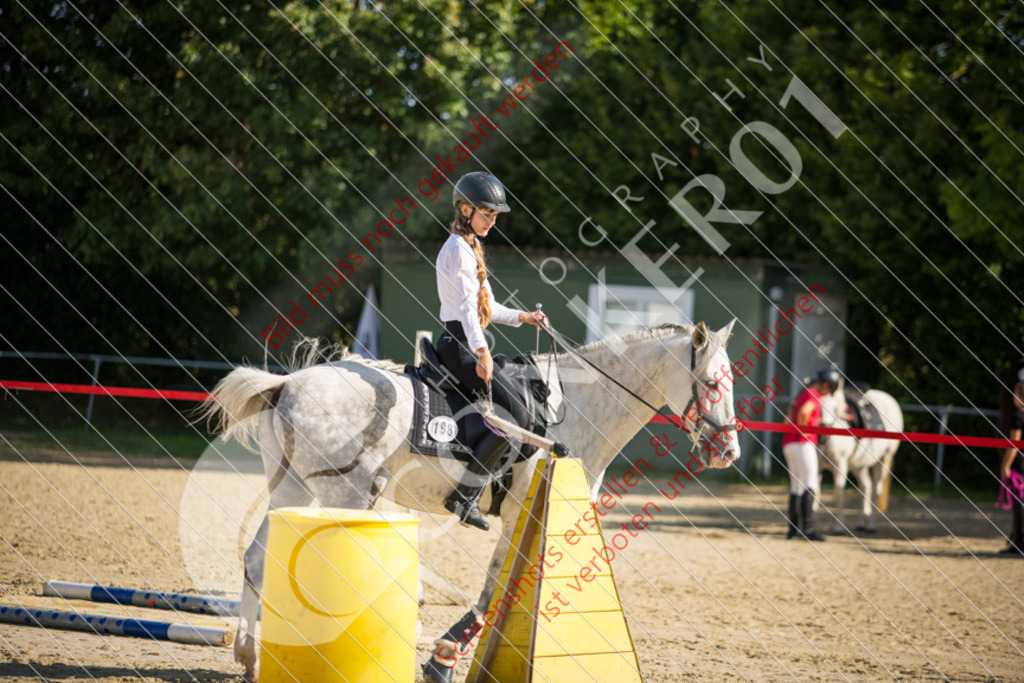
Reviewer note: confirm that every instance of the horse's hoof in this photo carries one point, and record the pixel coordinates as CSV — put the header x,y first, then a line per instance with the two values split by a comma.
x,y
435,672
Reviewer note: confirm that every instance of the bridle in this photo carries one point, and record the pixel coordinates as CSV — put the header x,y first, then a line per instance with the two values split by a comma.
x,y
703,417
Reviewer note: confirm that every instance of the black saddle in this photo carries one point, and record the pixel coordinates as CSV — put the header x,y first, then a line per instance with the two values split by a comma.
x,y
863,413
434,371
444,421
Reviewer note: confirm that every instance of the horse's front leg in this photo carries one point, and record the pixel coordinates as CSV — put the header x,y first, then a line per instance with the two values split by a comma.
x,y
245,638
869,480
459,641
839,473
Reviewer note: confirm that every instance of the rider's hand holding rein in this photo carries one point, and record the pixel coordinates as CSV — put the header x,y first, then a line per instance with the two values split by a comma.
x,y
535,318
485,364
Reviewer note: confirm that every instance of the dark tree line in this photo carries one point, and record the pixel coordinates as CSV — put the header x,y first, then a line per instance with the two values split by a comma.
x,y
173,174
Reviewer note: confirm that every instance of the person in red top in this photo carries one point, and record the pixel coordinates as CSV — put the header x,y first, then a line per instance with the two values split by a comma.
x,y
801,451
1013,462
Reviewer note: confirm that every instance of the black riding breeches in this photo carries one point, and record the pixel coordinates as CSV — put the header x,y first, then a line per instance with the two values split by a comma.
x,y
462,362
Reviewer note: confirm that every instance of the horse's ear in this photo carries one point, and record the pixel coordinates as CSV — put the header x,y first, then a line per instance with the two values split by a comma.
x,y
700,336
726,332
841,385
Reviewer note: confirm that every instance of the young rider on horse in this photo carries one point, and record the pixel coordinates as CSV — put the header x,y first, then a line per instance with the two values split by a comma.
x,y
467,307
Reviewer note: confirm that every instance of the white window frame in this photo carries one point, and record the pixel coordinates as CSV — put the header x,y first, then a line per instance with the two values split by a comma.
x,y
598,295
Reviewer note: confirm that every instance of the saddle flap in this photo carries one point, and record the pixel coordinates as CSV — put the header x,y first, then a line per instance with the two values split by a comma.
x,y
544,386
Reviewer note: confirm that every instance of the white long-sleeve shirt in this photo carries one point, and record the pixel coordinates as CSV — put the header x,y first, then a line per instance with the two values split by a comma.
x,y
458,287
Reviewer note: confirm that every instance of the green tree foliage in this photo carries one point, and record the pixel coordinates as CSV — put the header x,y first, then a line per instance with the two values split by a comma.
x,y
207,164
917,206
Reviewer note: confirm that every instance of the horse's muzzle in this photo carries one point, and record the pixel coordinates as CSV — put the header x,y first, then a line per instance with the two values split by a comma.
x,y
724,460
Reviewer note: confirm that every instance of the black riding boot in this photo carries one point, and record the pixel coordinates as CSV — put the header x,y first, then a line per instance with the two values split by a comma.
x,y
794,516
1016,546
807,517
463,500
1017,532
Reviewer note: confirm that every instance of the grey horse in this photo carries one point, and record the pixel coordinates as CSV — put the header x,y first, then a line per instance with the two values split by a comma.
x,y
867,458
337,434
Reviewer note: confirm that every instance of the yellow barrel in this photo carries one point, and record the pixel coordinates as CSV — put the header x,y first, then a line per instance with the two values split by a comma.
x,y
339,597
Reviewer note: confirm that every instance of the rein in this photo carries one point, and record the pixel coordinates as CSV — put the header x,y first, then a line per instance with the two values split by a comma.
x,y
703,416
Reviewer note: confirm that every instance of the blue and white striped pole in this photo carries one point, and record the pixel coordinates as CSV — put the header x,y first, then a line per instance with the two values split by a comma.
x,y
181,602
115,626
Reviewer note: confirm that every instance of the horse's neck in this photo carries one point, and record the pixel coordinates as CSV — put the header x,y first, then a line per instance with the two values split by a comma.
x,y
839,446
838,410
602,417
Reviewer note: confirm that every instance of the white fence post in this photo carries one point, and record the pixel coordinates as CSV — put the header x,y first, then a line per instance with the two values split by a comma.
x,y
940,456
96,360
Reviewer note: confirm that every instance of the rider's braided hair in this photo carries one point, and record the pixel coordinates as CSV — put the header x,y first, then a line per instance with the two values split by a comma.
x,y
461,225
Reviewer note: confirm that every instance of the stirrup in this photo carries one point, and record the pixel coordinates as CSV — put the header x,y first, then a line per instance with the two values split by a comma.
x,y
467,511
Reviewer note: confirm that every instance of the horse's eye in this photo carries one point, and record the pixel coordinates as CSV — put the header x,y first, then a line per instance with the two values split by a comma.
x,y
712,384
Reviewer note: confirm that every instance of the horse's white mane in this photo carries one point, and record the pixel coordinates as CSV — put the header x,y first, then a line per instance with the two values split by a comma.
x,y
659,332
652,333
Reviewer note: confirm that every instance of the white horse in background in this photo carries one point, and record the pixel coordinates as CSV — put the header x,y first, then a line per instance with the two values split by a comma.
x,y
337,434
864,457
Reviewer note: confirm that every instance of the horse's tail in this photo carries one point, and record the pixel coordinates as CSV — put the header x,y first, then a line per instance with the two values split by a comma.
x,y
237,401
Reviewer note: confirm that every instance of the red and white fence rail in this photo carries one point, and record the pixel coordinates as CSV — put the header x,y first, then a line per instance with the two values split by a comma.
x,y
751,425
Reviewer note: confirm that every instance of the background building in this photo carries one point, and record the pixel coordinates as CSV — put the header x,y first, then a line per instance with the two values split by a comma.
x,y
760,294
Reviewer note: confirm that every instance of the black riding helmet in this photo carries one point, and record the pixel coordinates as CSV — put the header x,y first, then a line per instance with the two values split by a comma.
x,y
480,189
829,376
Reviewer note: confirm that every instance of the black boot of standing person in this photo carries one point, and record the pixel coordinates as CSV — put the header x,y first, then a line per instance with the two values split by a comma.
x,y
807,529
1016,546
794,516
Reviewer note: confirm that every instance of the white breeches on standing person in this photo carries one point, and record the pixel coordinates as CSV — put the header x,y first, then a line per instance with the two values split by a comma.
x,y
802,461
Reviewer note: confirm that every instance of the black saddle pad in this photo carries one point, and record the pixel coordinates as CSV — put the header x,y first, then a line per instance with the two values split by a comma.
x,y
435,430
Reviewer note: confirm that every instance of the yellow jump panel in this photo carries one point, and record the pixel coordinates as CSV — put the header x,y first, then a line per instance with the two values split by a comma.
x,y
549,622
619,667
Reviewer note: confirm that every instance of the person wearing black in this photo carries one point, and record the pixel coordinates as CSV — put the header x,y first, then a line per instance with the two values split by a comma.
x,y
467,307
1013,461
